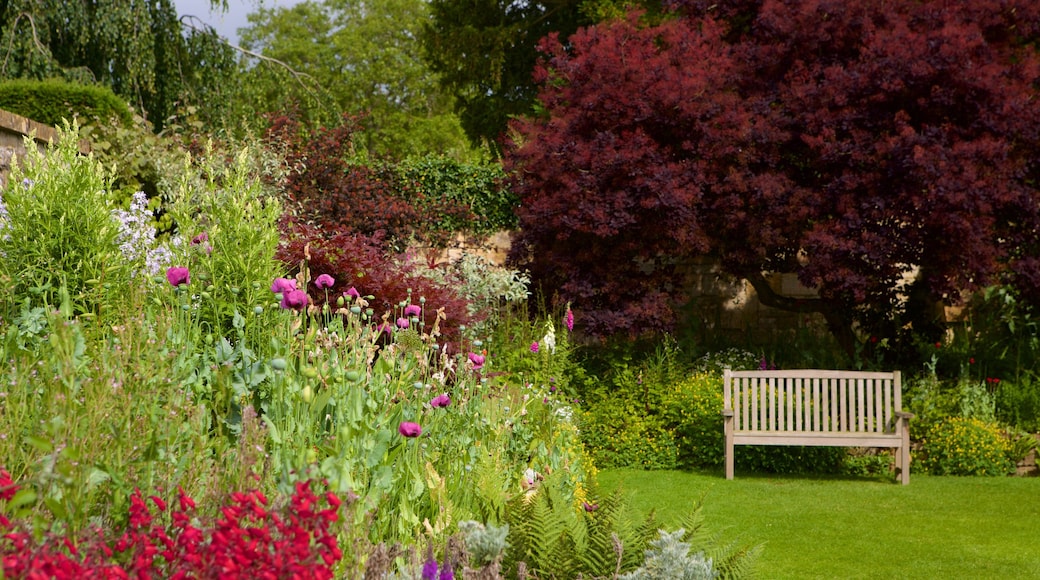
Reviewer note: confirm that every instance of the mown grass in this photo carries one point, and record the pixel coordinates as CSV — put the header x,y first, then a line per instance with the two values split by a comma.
x,y
813,527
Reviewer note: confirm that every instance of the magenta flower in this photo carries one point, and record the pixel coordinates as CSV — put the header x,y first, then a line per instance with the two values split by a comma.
x,y
283,285
384,327
178,275
446,572
568,319
402,323
325,281
590,507
203,237
294,299
477,360
441,401
429,569
534,346
352,292
412,310
409,429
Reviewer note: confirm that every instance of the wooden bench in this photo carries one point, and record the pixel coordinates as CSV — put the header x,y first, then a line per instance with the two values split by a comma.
x,y
817,407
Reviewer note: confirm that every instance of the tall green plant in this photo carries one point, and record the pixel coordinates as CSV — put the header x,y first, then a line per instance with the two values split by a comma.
x,y
59,244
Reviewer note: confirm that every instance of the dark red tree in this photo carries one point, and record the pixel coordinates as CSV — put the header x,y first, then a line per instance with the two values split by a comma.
x,y
851,143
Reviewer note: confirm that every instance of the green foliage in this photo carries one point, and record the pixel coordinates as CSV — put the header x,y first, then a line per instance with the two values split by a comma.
x,y
964,446
59,246
485,544
488,289
227,202
1018,402
623,423
693,409
553,536
139,49
366,61
619,435
669,558
478,186
52,101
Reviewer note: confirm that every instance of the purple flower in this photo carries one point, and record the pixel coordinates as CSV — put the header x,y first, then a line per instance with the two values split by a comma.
x,y
203,237
409,429
412,310
384,327
429,570
402,323
534,346
294,299
442,400
352,293
325,281
568,319
178,275
282,285
590,507
446,572
477,360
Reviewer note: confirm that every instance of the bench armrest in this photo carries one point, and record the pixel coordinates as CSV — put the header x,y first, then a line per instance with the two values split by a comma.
x,y
727,412
904,415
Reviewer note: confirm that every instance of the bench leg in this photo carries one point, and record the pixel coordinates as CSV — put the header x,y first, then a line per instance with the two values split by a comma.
x,y
904,453
729,448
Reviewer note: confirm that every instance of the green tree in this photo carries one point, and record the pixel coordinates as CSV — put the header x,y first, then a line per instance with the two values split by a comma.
x,y
366,57
485,51
138,48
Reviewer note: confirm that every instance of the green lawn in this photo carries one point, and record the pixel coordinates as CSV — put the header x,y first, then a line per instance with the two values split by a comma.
x,y
936,527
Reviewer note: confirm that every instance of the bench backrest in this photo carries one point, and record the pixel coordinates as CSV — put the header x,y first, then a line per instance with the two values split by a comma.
x,y
813,400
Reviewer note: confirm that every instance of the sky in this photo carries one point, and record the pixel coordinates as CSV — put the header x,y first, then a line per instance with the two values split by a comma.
x,y
226,23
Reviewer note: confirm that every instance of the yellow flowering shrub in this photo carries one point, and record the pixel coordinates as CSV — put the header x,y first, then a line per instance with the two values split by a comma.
x,y
960,446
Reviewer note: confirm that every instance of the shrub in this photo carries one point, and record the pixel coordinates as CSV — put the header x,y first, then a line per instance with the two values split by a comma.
x,y
960,446
619,436
53,101
481,188
59,245
339,192
692,407
1018,402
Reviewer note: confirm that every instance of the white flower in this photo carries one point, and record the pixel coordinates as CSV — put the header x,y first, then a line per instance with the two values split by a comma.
x,y
549,340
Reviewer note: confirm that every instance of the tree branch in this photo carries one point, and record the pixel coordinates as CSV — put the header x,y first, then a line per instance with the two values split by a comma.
x,y
299,76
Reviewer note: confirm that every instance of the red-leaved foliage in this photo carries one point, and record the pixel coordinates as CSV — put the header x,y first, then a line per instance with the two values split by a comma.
x,y
329,188
251,539
362,262
850,143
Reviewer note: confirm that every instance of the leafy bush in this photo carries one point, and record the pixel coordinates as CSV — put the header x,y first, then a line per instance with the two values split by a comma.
x,y
60,242
1018,402
618,435
339,192
692,408
53,102
481,188
669,558
965,446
